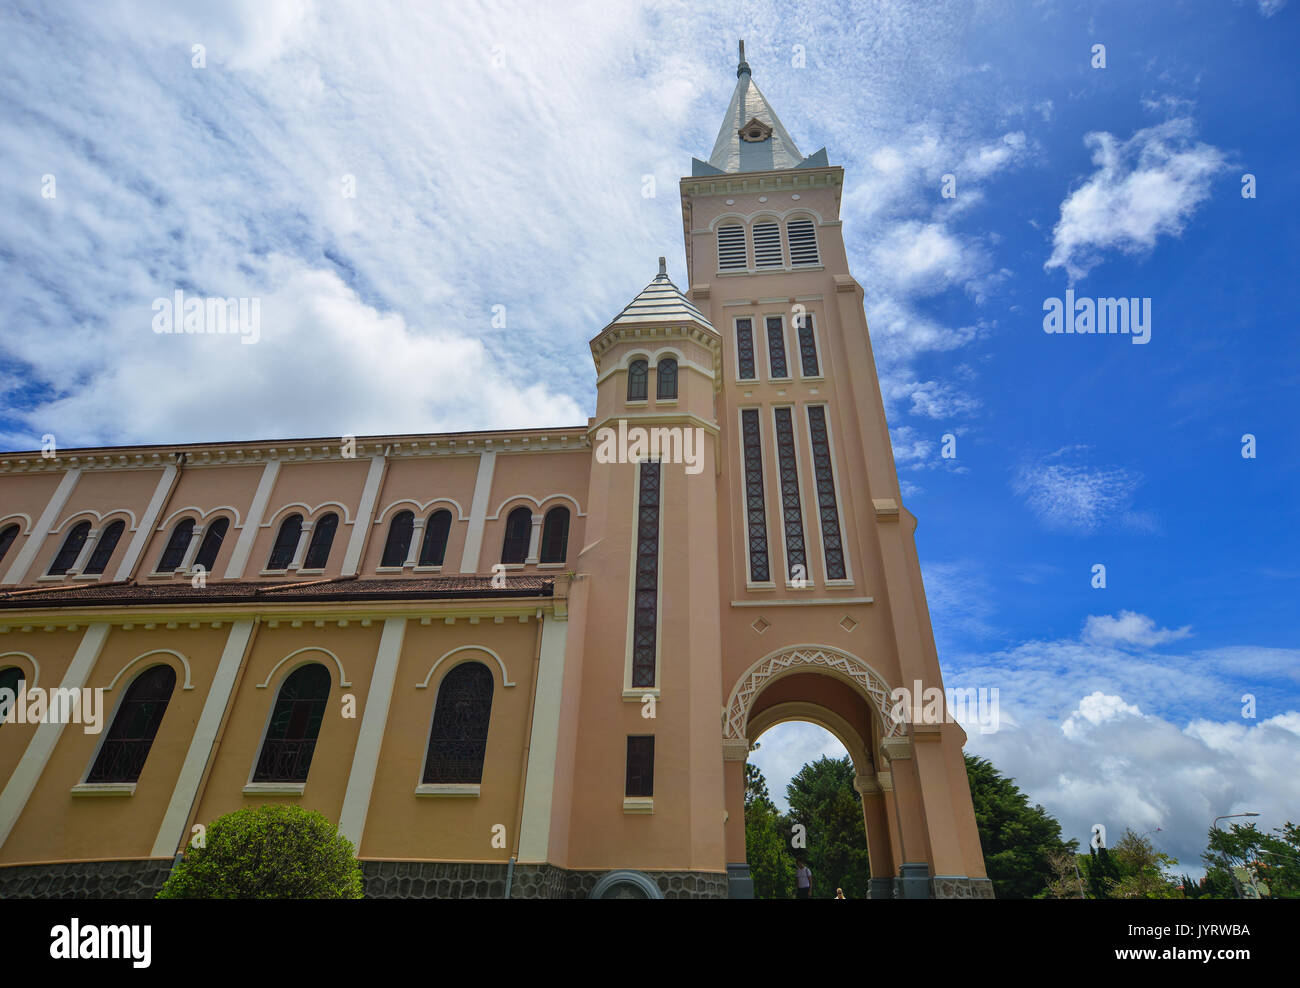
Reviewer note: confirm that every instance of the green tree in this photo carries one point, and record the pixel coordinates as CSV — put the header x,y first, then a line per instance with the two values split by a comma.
x,y
268,852
1019,840
1102,872
1142,870
1271,861
770,866
823,800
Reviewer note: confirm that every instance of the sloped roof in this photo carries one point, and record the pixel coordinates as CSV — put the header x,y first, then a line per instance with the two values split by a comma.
x,y
732,154
660,302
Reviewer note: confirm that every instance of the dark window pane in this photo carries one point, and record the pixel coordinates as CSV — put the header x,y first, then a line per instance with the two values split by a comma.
x,y
638,372
399,539
123,754
213,536
458,741
295,724
829,511
286,543
519,532
174,554
71,549
434,548
555,535
745,348
103,551
640,765
10,677
666,379
7,539
776,347
807,347
645,613
322,538
755,509
791,510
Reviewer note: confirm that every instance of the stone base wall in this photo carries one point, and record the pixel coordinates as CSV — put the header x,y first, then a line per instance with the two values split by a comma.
x,y
84,880
950,887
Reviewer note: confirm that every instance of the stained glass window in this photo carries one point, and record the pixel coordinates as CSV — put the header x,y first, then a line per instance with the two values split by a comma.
x,y
295,724
458,741
645,614
399,539
519,532
71,549
791,510
436,530
122,756
174,554
638,375
666,379
286,543
7,539
640,765
807,346
108,539
829,511
745,348
755,509
555,535
776,347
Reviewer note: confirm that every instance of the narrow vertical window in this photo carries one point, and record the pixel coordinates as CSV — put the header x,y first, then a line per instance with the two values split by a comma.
x,y
7,539
776,347
108,540
640,765
135,725
807,346
295,724
755,510
10,678
213,536
398,543
458,740
745,348
71,549
286,543
555,535
638,374
767,245
803,242
666,379
731,248
829,511
322,539
645,614
174,554
436,530
791,509
519,532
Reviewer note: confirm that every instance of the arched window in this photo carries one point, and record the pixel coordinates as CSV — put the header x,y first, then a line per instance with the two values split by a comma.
x,y
174,554
731,248
10,677
555,535
71,549
108,540
295,724
135,725
436,529
7,539
399,539
286,543
638,371
803,242
458,741
519,531
767,245
322,537
213,536
666,378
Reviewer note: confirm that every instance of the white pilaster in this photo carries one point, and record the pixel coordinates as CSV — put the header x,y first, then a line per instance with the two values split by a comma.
x,y
365,515
172,831
300,550
36,539
248,534
365,760
478,512
141,538
192,550
539,786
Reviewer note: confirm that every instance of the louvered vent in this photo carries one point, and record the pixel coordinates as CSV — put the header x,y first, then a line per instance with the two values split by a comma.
x,y
767,245
731,248
803,242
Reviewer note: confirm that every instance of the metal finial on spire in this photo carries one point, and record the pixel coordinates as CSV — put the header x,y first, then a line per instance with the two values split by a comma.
x,y
663,266
743,68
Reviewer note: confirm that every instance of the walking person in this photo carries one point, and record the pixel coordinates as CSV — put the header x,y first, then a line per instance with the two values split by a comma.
x,y
802,880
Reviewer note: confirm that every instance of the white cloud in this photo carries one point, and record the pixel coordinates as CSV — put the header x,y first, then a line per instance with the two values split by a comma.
x,y
1143,188
1129,628
1096,708
1074,497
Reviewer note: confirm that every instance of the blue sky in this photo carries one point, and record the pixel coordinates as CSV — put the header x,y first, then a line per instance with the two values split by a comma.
x,y
499,155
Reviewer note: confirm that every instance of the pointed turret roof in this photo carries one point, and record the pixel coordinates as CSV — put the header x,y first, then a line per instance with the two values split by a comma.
x,y
752,138
660,302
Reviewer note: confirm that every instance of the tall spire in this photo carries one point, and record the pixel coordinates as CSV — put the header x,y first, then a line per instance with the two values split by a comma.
x,y
752,138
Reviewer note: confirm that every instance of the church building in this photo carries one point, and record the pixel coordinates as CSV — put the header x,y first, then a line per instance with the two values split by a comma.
x,y
527,663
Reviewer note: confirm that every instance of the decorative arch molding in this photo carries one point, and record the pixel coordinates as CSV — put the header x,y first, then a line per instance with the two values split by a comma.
x,y
185,664
854,743
466,648
36,666
807,658
419,509
612,879
201,516
88,513
343,678
24,529
745,219
513,498
308,512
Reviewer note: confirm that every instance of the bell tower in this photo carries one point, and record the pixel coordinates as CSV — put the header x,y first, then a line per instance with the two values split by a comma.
x,y
821,602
